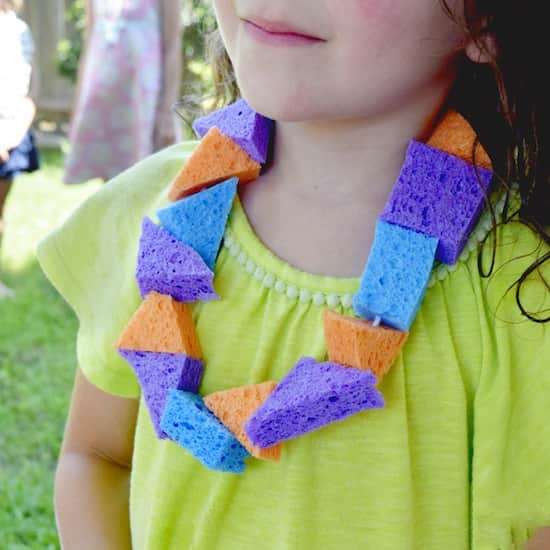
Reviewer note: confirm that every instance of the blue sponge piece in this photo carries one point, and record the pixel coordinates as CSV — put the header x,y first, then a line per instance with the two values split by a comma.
x,y
158,373
199,220
396,275
248,129
190,424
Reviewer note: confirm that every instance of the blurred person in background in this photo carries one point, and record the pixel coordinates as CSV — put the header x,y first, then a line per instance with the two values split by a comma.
x,y
17,149
124,92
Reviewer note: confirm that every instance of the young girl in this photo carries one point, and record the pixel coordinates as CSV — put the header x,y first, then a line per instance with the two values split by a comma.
x,y
128,81
458,457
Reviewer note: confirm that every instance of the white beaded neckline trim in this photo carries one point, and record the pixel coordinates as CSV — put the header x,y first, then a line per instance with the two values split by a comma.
x,y
333,301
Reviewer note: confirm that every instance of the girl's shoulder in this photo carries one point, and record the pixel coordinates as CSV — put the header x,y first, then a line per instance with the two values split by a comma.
x,y
138,191
519,282
500,250
114,214
90,259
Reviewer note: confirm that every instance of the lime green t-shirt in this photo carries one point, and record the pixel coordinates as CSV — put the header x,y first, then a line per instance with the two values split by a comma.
x,y
459,457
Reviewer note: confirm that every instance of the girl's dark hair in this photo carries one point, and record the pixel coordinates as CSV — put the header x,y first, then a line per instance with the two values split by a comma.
x,y
506,101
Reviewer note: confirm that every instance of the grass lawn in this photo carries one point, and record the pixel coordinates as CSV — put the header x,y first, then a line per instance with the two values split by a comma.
x,y
37,359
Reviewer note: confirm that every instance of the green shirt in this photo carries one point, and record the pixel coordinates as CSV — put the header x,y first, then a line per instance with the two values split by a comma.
x,y
459,457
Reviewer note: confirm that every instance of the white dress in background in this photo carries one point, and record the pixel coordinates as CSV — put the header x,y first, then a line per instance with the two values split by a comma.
x,y
16,52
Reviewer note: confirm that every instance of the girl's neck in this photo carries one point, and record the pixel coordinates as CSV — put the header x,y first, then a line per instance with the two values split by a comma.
x,y
341,161
317,204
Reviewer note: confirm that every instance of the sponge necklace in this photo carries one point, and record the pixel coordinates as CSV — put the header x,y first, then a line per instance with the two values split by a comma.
x,y
431,211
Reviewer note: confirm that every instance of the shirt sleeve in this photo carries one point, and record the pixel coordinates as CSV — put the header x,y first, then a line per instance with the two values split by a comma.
x,y
511,431
91,261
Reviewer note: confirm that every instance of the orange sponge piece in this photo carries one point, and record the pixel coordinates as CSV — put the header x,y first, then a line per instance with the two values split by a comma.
x,y
454,135
217,158
235,406
161,325
358,343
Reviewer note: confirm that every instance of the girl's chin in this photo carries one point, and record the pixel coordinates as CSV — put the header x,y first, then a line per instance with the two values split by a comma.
x,y
278,103
276,108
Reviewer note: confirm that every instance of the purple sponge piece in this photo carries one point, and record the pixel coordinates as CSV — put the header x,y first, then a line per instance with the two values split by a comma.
x,y
170,267
439,195
312,395
248,129
160,372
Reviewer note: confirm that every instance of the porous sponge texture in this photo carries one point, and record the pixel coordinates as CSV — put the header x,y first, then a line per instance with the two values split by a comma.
x,y
235,406
171,267
455,136
357,343
244,126
216,159
161,325
439,195
160,372
199,220
396,275
190,424
311,396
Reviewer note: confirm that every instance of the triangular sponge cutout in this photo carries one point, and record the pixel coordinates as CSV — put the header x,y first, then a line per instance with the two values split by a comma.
x,y
312,395
171,267
455,136
243,125
162,325
199,220
160,372
360,344
235,406
191,425
216,158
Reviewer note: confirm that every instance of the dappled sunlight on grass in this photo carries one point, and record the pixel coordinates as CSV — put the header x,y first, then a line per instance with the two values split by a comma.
x,y
37,359
37,363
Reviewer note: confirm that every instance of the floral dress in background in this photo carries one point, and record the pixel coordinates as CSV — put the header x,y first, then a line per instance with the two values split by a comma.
x,y
113,125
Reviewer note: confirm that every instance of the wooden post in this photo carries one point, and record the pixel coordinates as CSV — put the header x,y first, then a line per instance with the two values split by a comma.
x,y
53,93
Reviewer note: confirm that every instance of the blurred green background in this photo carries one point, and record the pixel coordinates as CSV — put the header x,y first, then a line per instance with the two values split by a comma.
x,y
37,359
37,329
